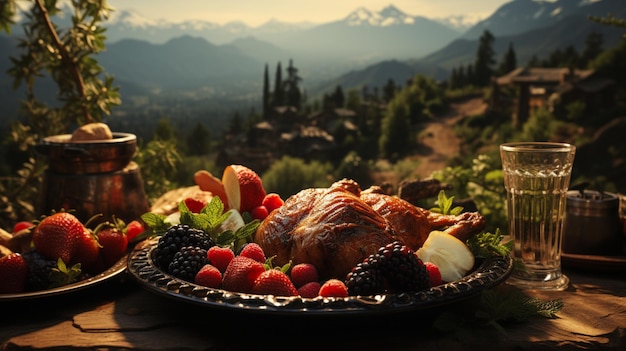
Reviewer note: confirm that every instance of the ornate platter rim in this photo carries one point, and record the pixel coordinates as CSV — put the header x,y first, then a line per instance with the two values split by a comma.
x,y
490,272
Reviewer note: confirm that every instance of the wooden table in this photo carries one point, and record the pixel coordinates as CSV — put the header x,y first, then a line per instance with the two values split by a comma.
x,y
119,314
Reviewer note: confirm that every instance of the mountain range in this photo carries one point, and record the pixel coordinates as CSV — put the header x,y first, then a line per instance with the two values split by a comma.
x,y
363,48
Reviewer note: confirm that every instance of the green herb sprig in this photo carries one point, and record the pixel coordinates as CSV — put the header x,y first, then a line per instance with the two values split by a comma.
x,y
209,220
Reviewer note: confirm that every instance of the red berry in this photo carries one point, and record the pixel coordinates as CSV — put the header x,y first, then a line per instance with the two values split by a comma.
x,y
259,212
272,201
134,229
209,276
19,226
241,274
113,244
253,251
303,273
274,282
333,288
194,205
433,273
13,274
309,290
220,257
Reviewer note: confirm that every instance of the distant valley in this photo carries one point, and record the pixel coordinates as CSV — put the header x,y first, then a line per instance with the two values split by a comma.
x,y
201,61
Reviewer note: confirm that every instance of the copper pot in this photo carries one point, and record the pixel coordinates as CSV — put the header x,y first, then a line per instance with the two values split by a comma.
x,y
88,157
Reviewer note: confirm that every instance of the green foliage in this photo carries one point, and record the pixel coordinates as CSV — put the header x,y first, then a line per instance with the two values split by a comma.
x,y
445,205
488,244
354,167
289,175
159,160
395,137
539,126
484,183
85,93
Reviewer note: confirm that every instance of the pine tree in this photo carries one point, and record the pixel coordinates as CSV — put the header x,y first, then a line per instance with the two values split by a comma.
x,y
279,93
484,59
509,62
338,97
292,90
389,90
266,93
593,47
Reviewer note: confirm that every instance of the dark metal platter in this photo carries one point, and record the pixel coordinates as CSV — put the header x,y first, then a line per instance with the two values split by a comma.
x,y
113,271
491,272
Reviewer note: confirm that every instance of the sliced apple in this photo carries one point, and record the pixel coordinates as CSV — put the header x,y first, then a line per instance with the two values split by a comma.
x,y
208,182
244,188
450,254
233,222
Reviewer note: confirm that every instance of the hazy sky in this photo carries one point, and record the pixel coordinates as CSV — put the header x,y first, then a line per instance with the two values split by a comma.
x,y
256,12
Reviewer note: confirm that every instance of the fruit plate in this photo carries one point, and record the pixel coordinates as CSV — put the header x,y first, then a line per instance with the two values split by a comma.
x,y
117,268
491,272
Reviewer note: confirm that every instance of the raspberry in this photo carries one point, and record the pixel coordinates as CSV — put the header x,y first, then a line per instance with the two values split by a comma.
x,y
253,251
309,290
220,257
333,288
434,274
272,201
194,205
259,212
303,273
209,276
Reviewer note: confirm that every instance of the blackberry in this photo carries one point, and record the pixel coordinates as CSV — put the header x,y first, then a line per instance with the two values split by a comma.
x,y
187,262
393,269
365,278
39,269
177,237
402,269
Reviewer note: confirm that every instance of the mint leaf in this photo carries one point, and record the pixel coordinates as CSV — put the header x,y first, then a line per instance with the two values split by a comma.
x,y
444,205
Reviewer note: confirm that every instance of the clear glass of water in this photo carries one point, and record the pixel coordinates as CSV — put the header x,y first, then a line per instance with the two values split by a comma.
x,y
536,178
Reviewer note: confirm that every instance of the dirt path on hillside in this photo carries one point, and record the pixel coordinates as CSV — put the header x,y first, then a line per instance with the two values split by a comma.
x,y
438,142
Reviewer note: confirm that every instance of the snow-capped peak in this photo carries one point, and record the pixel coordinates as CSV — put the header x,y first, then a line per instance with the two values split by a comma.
x,y
390,15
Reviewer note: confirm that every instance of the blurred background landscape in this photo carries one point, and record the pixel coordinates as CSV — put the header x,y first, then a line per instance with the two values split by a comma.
x,y
366,87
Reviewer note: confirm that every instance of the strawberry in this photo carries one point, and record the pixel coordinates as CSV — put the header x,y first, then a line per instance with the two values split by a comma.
x,y
433,273
194,205
19,226
209,276
86,251
303,273
56,235
272,201
220,257
241,273
253,251
13,274
333,288
274,282
113,243
244,188
133,229
309,290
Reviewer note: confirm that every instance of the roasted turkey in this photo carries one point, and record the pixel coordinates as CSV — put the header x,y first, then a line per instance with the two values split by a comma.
x,y
337,227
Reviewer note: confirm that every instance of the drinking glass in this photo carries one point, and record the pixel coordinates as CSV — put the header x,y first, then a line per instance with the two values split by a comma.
x,y
536,178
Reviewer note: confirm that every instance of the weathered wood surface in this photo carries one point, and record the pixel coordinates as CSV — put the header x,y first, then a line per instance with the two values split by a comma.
x,y
120,314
